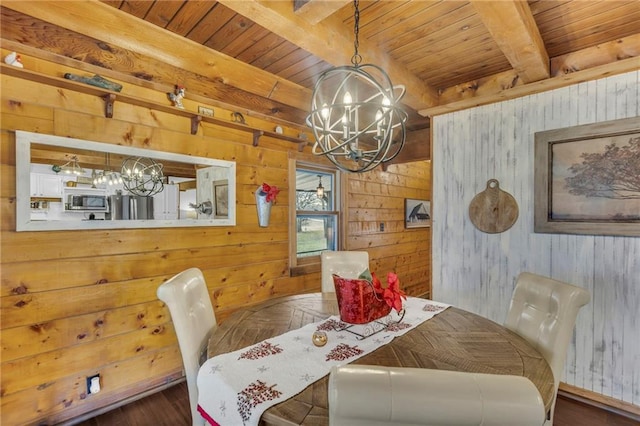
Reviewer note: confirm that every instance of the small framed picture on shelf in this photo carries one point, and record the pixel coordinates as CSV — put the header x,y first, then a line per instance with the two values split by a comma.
x,y
417,213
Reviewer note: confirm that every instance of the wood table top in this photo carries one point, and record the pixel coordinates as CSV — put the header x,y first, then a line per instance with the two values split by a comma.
x,y
452,340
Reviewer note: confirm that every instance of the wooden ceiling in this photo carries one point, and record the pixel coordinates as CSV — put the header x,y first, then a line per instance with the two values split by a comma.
x,y
264,56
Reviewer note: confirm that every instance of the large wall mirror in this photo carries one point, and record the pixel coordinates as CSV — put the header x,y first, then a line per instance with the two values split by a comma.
x,y
65,183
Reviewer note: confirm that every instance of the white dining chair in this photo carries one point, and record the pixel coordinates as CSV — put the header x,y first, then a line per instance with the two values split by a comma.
x,y
543,311
187,298
374,395
347,264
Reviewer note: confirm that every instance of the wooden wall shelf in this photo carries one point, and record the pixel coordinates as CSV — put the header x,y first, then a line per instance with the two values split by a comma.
x,y
110,98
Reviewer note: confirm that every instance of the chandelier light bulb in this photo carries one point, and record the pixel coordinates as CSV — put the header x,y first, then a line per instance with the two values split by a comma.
x,y
347,99
325,112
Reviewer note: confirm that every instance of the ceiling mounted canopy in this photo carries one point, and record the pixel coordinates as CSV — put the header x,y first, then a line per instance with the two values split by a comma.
x,y
355,114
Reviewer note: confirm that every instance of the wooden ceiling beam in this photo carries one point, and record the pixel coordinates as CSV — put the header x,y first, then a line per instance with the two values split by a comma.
x,y
314,11
599,61
513,28
332,41
95,19
505,86
417,147
602,54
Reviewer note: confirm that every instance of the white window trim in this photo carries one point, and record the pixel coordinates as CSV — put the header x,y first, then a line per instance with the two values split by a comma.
x,y
301,266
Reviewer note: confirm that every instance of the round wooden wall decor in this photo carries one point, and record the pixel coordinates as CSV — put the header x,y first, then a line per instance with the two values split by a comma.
x,y
493,210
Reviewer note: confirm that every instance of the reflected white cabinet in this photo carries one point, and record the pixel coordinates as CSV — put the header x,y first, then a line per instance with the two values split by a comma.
x,y
166,204
45,185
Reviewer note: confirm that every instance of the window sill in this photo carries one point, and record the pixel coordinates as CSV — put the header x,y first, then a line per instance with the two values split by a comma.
x,y
310,268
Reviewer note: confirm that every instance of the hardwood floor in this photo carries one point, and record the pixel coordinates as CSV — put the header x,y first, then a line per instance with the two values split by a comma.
x,y
171,408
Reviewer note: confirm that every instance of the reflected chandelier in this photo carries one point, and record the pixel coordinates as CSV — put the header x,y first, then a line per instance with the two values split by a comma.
x,y
142,176
72,167
107,175
355,114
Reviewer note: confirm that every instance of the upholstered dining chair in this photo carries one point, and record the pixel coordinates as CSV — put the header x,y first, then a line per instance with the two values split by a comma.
x,y
543,311
347,264
374,395
193,318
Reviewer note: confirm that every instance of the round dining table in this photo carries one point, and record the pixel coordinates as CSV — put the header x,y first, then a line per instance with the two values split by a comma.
x,y
452,340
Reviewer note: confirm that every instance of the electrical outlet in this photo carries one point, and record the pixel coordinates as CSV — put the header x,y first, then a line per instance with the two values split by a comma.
x,y
93,384
381,226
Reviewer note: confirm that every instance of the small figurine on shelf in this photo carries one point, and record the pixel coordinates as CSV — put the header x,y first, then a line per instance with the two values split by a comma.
x,y
176,96
237,117
96,80
13,59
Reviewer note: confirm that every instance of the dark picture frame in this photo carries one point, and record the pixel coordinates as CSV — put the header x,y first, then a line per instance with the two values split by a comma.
x,y
220,198
417,213
584,179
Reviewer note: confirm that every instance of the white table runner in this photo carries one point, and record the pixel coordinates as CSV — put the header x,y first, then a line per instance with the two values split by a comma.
x,y
237,387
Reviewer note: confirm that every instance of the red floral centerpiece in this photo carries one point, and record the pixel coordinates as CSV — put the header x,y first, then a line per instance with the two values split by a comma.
x,y
392,294
363,299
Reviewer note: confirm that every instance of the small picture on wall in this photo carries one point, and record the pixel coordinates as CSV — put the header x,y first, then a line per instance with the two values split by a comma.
x,y
417,213
221,199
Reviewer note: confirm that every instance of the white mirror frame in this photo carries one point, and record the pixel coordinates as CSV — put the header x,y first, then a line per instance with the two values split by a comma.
x,y
23,186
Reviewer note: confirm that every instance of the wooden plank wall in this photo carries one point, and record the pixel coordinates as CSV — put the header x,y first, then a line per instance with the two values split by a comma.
x,y
378,198
76,303
477,271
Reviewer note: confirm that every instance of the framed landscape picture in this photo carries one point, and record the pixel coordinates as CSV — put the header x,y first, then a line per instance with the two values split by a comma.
x,y
417,213
220,198
587,179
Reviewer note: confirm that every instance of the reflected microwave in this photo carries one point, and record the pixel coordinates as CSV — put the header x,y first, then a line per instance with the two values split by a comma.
x,y
87,202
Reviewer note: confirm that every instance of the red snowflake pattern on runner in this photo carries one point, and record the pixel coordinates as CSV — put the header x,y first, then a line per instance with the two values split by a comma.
x,y
342,352
254,394
432,308
397,326
331,325
262,350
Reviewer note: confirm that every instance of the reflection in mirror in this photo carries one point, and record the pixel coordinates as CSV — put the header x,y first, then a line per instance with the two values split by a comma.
x,y
66,183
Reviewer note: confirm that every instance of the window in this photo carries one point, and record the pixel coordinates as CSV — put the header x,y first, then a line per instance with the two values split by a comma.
x,y
316,214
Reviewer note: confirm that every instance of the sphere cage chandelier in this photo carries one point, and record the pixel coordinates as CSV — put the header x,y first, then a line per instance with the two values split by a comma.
x,y
142,176
355,114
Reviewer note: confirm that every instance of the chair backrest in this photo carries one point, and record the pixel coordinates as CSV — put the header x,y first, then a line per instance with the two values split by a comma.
x,y
187,298
543,311
347,264
375,395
